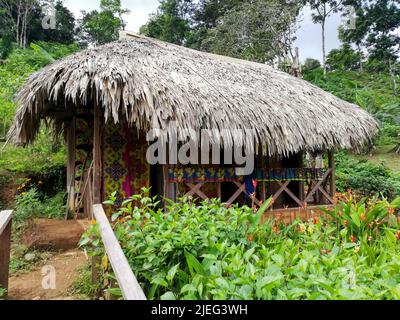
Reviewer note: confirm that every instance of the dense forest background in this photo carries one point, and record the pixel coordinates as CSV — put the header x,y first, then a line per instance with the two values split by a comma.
x,y
364,70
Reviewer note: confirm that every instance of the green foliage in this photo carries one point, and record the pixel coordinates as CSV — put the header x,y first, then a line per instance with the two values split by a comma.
x,y
83,287
365,178
344,59
31,204
100,27
43,157
254,30
65,27
170,23
19,264
371,91
375,32
311,64
2,293
19,65
207,251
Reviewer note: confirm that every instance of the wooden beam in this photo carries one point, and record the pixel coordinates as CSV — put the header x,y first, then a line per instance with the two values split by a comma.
x,y
97,155
292,195
326,194
5,246
318,185
281,190
195,189
71,142
241,189
5,218
332,188
127,281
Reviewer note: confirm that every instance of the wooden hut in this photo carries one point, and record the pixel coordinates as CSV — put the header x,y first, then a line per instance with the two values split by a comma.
x,y
106,99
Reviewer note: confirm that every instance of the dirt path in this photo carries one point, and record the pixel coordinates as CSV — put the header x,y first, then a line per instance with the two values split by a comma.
x,y
67,266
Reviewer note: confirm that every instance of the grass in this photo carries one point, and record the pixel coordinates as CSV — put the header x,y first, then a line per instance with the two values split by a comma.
x,y
83,287
18,263
36,159
386,155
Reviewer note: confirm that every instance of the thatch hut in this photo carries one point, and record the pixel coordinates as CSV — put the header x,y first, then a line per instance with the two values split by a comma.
x,y
106,99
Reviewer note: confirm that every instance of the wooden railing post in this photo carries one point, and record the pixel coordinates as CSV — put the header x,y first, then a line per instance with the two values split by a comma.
x,y
127,281
5,246
332,188
97,155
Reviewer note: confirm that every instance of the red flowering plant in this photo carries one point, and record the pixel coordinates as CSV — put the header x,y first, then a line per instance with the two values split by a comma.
x,y
364,220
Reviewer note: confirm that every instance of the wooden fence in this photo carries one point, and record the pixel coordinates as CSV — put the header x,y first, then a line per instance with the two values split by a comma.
x,y
127,281
5,245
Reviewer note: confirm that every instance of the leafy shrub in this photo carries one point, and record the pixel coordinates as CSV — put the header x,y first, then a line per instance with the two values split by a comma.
x,y
365,178
2,293
344,58
311,64
207,251
44,156
31,204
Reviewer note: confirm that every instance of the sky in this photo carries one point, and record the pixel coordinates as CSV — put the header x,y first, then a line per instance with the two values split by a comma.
x,y
308,36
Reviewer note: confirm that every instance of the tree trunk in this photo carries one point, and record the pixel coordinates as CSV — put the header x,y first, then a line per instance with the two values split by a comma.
x,y
17,26
323,49
361,62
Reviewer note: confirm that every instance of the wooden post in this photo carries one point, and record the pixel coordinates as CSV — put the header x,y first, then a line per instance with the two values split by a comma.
x,y
96,186
96,155
71,166
169,187
127,281
5,246
332,188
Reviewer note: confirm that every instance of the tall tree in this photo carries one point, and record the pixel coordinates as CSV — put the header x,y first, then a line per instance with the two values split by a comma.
x,y
206,15
63,30
383,41
18,14
99,27
171,22
375,31
322,10
357,34
260,30
65,25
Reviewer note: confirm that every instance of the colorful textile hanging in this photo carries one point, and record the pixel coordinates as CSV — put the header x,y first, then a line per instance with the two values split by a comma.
x,y
202,174
126,169
83,149
198,174
290,174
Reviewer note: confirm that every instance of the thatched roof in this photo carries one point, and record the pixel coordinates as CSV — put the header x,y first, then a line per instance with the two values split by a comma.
x,y
153,83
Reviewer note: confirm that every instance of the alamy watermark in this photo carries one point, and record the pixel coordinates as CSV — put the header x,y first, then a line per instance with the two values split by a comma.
x,y
49,20
349,18
206,147
49,277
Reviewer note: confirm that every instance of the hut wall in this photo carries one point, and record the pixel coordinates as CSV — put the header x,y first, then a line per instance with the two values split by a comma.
x,y
125,168
83,155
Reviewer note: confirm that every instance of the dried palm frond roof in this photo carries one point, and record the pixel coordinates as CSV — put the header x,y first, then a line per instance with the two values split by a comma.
x,y
159,85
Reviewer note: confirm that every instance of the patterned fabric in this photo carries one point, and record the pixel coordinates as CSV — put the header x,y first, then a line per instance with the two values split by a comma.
x,y
126,169
83,148
202,174
211,174
290,174
115,170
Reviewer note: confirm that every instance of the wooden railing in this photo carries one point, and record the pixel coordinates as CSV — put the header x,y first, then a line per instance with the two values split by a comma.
x,y
127,281
5,245
316,186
